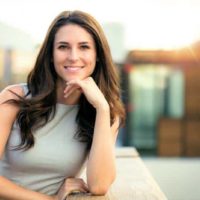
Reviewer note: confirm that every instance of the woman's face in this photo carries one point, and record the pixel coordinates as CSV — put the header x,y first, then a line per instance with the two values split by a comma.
x,y
74,53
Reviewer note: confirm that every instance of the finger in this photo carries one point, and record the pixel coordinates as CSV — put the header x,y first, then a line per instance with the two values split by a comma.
x,y
78,190
83,184
78,182
74,188
69,87
76,82
69,91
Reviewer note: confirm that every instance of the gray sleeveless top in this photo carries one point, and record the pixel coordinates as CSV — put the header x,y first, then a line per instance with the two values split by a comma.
x,y
55,156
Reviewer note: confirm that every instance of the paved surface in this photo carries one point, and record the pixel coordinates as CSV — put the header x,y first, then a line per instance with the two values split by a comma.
x,y
178,178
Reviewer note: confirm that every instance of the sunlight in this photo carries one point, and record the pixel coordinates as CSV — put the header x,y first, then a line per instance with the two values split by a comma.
x,y
157,24
164,28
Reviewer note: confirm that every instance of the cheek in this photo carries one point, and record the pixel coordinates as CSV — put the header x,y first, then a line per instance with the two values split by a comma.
x,y
92,66
91,60
58,56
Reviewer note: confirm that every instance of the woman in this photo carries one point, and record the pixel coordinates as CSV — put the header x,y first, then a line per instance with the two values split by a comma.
x,y
69,112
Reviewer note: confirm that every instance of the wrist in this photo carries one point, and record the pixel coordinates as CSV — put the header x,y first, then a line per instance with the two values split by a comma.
x,y
103,107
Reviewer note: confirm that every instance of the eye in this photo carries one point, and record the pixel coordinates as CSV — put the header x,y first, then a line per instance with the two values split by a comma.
x,y
84,46
62,46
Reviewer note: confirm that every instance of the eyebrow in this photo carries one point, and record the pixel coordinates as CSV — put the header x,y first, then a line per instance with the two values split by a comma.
x,y
63,42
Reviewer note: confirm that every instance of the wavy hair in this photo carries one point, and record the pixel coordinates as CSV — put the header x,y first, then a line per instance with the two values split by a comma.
x,y
38,110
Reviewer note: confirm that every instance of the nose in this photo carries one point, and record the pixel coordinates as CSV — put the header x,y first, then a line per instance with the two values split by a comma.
x,y
73,55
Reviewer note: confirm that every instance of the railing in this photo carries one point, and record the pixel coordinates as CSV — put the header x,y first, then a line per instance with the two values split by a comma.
x,y
133,182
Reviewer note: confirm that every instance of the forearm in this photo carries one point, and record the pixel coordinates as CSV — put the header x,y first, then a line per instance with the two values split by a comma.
x,y
101,162
10,191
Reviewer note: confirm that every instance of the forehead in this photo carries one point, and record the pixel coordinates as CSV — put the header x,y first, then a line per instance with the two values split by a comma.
x,y
73,32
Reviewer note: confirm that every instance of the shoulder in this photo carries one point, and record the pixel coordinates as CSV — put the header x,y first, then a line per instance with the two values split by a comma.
x,y
8,112
11,92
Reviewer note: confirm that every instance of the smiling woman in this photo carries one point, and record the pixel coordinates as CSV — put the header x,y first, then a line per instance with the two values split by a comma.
x,y
64,118
74,53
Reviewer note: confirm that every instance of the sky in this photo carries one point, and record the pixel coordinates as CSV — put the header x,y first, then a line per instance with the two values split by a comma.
x,y
147,24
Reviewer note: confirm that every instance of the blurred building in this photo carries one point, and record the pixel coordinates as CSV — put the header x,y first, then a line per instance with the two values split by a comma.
x,y
17,54
115,34
162,100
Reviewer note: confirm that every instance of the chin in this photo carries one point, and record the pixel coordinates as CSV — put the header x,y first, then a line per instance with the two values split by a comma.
x,y
75,78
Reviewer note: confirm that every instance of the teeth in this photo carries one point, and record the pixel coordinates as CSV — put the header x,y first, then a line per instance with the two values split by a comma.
x,y
72,68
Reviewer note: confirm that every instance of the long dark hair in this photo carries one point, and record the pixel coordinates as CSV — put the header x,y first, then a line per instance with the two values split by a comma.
x,y
36,111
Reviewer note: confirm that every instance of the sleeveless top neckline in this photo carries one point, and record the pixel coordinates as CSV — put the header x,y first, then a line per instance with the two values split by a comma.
x,y
56,155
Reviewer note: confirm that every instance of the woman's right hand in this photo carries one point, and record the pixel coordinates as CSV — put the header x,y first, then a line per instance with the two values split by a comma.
x,y
71,185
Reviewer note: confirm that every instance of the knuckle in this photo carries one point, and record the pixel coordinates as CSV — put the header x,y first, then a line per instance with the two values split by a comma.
x,y
68,180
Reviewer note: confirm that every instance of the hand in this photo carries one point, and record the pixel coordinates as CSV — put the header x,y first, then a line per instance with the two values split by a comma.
x,y
89,89
71,185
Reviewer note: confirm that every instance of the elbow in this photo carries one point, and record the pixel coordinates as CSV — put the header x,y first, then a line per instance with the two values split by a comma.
x,y
101,188
98,190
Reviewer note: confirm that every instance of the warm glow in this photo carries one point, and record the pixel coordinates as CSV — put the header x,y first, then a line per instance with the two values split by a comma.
x,y
165,26
155,24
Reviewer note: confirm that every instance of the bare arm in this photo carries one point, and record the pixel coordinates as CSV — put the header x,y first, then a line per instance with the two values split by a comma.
x,y
101,170
11,191
101,163
8,112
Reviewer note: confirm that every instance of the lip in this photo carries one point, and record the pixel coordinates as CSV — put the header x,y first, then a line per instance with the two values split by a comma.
x,y
73,68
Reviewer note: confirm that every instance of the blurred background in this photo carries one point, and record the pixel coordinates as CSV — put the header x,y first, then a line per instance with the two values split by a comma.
x,y
156,47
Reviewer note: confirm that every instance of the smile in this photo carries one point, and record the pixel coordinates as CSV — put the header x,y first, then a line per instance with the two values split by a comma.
x,y
72,69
